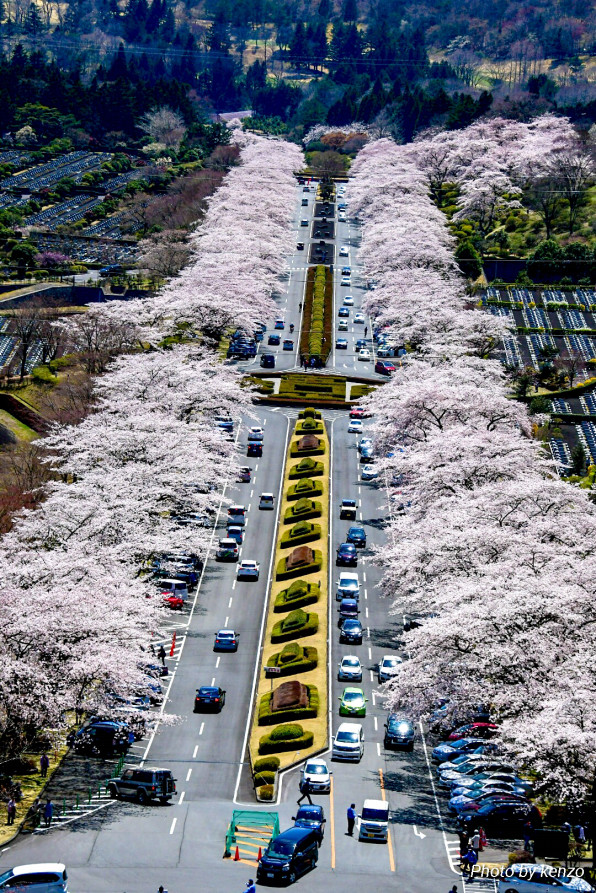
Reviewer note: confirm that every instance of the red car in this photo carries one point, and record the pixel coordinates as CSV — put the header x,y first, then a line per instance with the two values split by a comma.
x,y
384,367
474,730
173,601
357,412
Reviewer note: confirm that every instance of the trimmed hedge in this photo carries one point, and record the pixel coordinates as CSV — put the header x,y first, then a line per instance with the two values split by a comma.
x,y
267,744
299,594
266,764
296,625
304,489
303,510
309,426
264,777
305,659
302,532
265,792
266,717
288,730
307,467
315,451
281,572
309,413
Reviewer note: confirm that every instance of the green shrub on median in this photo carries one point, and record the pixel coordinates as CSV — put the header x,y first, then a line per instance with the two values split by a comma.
x,y
267,717
303,510
300,533
299,594
307,467
296,625
304,659
304,489
283,573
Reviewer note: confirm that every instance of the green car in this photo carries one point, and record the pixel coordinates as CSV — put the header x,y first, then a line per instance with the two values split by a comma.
x,y
352,702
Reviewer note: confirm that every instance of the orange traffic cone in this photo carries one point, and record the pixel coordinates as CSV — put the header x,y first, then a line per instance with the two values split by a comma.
x,y
236,856
259,856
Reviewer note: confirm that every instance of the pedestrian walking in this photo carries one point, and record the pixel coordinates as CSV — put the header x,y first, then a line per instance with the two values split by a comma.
x,y
11,811
351,818
463,842
475,841
305,790
300,307
250,887
162,655
469,861
35,812
365,331
453,889
528,834
48,813
162,889
579,834
44,765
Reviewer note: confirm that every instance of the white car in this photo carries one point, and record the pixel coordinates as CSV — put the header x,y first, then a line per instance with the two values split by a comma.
x,y
342,216
247,570
349,301
318,774
359,317
344,251
345,280
355,426
388,666
364,442
364,355
350,669
342,325
255,434
369,473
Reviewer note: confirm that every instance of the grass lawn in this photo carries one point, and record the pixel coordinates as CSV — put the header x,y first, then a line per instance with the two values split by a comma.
x,y
317,676
309,384
20,430
31,786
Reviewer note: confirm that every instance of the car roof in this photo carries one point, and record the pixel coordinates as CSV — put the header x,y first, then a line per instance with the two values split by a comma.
x,y
349,727
318,760
351,688
294,834
226,632
310,808
350,657
236,508
357,527
204,689
350,621
267,494
248,561
391,657
348,575
39,866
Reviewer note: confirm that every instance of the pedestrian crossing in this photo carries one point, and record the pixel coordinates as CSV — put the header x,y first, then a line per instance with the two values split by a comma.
x,y
477,882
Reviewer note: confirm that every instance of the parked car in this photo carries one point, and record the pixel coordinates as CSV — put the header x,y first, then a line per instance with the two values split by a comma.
x,y
311,816
536,878
350,669
474,730
318,774
209,698
143,785
388,666
357,536
226,640
384,367
351,632
347,556
37,877
352,702
369,473
499,817
247,570
399,732
449,751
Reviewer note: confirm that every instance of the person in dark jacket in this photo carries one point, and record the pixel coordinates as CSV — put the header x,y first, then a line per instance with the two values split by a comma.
x,y
351,818
305,790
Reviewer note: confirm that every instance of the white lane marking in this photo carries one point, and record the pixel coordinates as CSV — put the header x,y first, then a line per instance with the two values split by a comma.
x,y
233,586
364,576
227,619
378,748
374,699
195,751
173,825
252,493
213,681
181,797
366,612
230,602
370,653
372,676
256,467
217,662
376,723
201,729
189,773
368,632
249,506
365,595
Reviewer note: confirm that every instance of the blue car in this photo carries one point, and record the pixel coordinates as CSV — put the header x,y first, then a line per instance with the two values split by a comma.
x,y
288,345
343,311
357,536
452,749
274,339
226,640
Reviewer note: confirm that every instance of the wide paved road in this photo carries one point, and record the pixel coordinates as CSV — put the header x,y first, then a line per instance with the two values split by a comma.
x,y
126,848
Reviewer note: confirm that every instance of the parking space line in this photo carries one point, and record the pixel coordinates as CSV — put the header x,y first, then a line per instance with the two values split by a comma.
x,y
189,773
173,825
195,751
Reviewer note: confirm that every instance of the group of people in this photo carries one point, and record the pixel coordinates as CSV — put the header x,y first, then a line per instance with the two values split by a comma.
x,y
36,811
312,363
469,848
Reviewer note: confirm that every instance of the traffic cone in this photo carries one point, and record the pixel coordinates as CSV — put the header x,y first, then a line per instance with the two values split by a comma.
x,y
259,856
236,856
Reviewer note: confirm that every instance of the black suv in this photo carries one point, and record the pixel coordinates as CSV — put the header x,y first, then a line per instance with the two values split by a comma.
x,y
144,785
289,855
399,732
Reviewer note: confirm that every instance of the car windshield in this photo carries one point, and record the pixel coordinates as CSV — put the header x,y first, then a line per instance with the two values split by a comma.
x,y
312,813
315,769
375,815
351,662
403,725
349,503
6,875
353,696
347,736
225,635
391,662
207,691
282,847
356,531
351,624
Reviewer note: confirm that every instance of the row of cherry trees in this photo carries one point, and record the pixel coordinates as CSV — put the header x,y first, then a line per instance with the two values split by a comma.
x,y
75,611
485,540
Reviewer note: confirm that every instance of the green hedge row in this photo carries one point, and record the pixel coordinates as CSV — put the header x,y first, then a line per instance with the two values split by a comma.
x,y
301,533
296,625
282,573
303,510
304,489
298,595
306,658
267,717
309,413
307,467
266,764
309,426
269,744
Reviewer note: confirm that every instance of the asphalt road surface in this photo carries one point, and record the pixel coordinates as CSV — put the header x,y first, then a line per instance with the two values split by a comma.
x,y
126,848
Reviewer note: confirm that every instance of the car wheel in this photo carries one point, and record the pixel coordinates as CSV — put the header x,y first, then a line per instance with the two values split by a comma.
x,y
113,791
292,878
142,796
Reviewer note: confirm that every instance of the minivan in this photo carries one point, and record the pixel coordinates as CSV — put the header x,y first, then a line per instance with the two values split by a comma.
x,y
40,877
175,587
227,549
267,501
289,855
374,821
348,743
348,586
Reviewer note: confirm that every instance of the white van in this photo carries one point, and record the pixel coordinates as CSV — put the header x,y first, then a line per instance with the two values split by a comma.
x,y
374,821
175,587
348,586
42,877
348,743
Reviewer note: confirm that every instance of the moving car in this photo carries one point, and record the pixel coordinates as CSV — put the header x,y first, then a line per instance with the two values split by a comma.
x,y
359,317
235,533
304,222
374,821
384,367
267,501
354,426
247,570
346,281
318,774
343,311
279,323
388,666
348,743
369,473
209,698
289,855
341,344
346,271
342,326
255,433
244,474
288,344
399,732
347,509
357,412
300,246
357,536
350,669
268,360
311,816
237,514
352,702
349,301
348,586
39,877
348,607
360,343
364,355
347,556
254,449
274,339
351,632
226,640
143,785
344,251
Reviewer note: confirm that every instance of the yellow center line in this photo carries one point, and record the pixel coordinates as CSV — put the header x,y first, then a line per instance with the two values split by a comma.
x,y
389,840
332,823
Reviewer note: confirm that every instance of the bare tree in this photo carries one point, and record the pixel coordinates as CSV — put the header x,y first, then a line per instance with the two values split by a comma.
x,y
574,170
546,199
165,126
26,328
571,363
164,254
99,339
